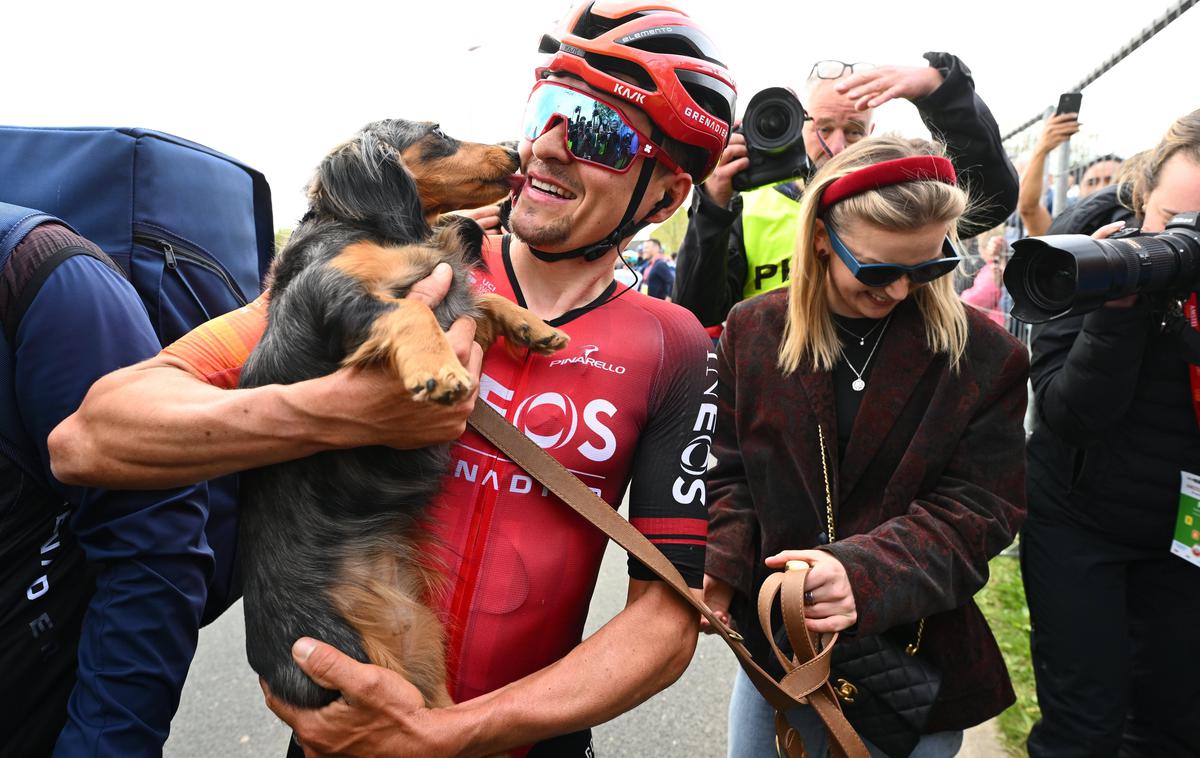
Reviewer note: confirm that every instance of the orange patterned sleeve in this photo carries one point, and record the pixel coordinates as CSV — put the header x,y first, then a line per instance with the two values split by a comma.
x,y
215,351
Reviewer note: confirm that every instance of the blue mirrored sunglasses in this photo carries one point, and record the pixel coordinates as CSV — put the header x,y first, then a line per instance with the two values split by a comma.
x,y
596,132
883,274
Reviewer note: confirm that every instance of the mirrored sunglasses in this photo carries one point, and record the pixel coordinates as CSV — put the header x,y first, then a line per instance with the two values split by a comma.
x,y
883,274
595,132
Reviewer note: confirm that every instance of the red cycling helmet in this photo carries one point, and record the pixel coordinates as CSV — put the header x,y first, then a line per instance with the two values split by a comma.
x,y
657,59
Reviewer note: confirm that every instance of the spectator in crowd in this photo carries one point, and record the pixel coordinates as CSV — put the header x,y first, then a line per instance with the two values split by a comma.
x,y
984,292
737,246
1106,205
1097,174
1031,204
1112,611
896,468
659,273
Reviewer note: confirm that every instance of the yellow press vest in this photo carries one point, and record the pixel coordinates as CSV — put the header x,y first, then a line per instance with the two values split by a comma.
x,y
770,222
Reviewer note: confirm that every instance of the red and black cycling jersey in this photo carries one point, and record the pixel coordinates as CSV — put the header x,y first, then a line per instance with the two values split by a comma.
x,y
631,398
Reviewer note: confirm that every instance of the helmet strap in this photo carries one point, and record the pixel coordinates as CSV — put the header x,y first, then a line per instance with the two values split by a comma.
x,y
629,225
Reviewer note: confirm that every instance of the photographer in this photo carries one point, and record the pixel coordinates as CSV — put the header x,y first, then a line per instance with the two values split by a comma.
x,y
1114,614
738,246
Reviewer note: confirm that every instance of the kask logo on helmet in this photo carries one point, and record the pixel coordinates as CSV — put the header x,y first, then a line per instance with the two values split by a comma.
x,y
629,94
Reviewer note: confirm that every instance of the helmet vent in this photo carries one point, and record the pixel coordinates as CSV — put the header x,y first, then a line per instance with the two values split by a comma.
x,y
678,40
621,67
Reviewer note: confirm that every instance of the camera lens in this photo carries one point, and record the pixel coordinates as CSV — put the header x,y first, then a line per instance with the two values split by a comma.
x,y
773,121
1060,275
1050,280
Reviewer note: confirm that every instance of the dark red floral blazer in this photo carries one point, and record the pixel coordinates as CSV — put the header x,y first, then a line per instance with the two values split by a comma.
x,y
931,487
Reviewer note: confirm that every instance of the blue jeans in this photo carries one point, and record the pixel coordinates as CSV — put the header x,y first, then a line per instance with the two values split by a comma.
x,y
752,729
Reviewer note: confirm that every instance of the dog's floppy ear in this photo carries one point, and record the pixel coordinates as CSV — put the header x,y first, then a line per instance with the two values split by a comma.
x,y
456,232
363,182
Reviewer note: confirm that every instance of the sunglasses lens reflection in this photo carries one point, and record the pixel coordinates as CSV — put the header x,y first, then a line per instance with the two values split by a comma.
x,y
596,132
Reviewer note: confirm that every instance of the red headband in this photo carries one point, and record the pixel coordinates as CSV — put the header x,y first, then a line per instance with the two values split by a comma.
x,y
914,169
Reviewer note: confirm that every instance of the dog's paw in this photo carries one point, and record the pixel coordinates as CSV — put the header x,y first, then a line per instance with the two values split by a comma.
x,y
539,337
446,384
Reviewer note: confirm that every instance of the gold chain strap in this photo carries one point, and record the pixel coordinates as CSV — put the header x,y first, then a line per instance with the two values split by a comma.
x,y
913,646
828,496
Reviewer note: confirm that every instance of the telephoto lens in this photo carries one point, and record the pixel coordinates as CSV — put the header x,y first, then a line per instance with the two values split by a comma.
x,y
1069,274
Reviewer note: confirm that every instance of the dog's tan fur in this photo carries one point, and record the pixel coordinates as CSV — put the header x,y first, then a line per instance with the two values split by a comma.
x,y
380,596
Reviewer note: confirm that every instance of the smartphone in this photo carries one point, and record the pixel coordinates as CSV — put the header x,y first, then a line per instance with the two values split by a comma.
x,y
1068,102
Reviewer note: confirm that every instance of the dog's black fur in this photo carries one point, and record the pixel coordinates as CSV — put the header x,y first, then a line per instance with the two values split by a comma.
x,y
303,522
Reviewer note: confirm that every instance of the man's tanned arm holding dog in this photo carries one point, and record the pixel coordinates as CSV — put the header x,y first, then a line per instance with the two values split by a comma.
x,y
641,651
155,424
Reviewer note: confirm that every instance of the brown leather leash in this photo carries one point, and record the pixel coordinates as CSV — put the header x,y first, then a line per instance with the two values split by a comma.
x,y
807,677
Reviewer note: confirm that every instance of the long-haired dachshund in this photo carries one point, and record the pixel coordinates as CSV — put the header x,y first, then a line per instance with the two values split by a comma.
x,y
330,546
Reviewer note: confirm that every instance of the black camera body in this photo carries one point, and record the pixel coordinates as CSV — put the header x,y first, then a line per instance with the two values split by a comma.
x,y
773,127
1068,274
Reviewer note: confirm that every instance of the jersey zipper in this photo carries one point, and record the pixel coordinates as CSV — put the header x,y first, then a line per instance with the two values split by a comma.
x,y
482,512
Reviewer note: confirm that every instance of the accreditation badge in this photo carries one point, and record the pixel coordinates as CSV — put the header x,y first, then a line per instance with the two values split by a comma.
x,y
1187,527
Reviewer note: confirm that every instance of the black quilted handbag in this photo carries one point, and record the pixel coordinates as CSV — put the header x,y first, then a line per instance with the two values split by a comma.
x,y
886,689
886,693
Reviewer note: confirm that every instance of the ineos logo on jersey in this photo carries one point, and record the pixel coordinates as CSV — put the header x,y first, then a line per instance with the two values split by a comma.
x,y
693,459
587,360
554,400
553,420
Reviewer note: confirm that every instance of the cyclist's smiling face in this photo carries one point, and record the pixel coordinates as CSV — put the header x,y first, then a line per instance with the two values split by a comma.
x,y
566,203
834,119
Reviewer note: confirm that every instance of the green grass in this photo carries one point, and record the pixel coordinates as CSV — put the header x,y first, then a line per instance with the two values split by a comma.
x,y
1003,602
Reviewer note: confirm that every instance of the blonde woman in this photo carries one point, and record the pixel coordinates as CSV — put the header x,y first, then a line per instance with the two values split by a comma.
x,y
869,374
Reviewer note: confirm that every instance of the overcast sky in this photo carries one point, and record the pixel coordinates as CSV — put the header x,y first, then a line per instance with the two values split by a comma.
x,y
278,84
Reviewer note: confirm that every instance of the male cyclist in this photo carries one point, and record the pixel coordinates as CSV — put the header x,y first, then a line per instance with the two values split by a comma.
x,y
627,400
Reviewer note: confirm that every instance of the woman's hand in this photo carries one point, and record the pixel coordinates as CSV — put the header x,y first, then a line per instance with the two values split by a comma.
x,y
718,594
832,608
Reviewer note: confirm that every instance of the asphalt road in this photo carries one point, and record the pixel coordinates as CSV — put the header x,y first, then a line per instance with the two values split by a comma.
x,y
222,713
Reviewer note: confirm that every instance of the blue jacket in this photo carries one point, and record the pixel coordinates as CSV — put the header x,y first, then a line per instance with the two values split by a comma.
x,y
147,550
